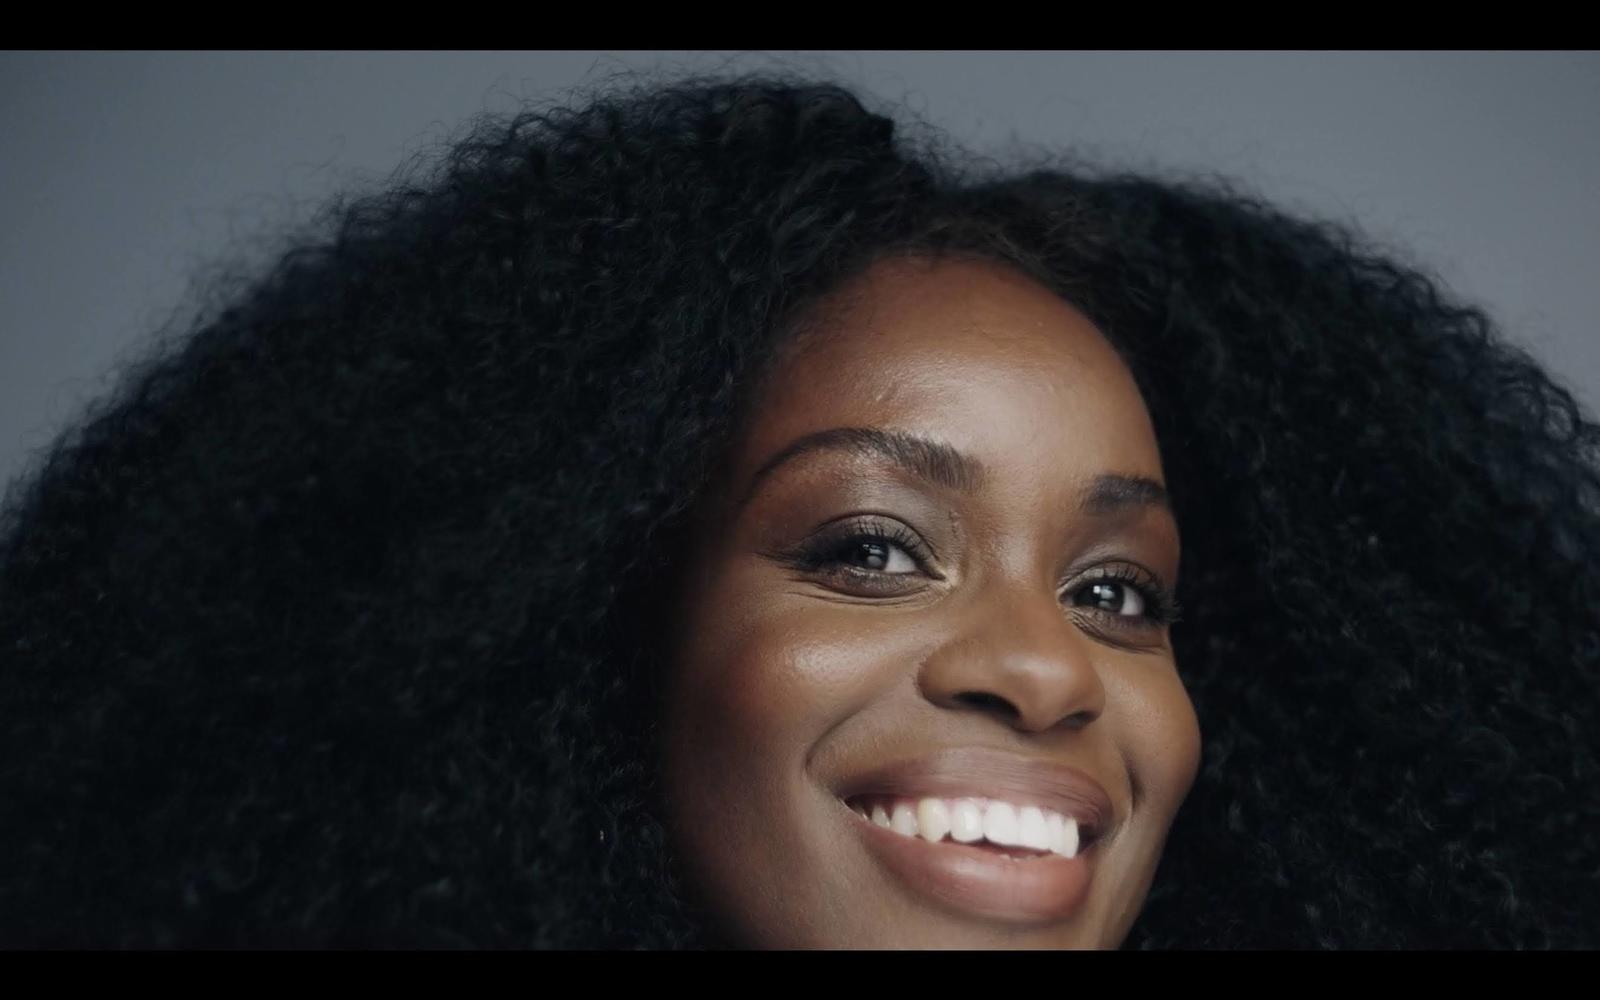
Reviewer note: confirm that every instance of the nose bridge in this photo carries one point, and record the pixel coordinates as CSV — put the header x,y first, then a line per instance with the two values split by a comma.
x,y
1016,653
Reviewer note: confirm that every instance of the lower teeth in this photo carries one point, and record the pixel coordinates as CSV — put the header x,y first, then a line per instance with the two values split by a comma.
x,y
1018,853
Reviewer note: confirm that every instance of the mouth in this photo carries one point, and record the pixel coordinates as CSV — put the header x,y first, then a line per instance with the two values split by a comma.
x,y
995,825
982,833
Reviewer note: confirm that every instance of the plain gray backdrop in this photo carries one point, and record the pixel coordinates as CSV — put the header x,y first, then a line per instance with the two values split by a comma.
x,y
124,174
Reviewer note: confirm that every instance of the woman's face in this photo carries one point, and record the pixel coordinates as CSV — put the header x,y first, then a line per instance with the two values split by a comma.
x,y
930,594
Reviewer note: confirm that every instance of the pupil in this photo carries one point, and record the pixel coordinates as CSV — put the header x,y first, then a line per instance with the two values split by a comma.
x,y
1106,592
874,554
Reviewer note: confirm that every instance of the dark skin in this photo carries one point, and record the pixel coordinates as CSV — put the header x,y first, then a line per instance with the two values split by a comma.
x,y
910,556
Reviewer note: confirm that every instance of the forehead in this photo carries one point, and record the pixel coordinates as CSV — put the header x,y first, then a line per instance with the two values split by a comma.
x,y
974,354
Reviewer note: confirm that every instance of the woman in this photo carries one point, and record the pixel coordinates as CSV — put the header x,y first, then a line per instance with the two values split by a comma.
x,y
708,517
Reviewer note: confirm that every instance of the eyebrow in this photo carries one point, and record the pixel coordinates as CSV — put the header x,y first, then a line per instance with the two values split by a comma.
x,y
942,465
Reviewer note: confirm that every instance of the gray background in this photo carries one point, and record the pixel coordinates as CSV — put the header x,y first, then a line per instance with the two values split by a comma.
x,y
124,174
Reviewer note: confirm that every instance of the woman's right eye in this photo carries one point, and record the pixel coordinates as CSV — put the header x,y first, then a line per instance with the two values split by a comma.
x,y
865,550
877,554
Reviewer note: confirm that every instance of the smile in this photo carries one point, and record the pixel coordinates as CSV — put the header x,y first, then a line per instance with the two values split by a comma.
x,y
1022,853
1022,830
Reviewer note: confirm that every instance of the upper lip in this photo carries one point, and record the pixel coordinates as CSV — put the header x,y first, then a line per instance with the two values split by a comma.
x,y
961,772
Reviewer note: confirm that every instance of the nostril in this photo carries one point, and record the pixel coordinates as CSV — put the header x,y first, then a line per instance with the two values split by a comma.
x,y
988,702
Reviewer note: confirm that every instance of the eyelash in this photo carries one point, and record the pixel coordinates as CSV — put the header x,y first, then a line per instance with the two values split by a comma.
x,y
827,555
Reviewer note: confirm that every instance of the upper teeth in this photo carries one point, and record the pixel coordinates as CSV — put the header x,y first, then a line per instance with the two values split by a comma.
x,y
969,820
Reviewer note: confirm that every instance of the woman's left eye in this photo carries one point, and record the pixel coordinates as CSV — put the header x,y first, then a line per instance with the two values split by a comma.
x,y
1136,598
1114,596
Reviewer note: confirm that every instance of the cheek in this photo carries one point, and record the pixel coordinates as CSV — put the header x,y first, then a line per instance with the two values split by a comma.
x,y
1167,741
761,682
767,676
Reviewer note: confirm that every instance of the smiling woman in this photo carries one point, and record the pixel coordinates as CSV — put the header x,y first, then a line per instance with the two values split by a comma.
x,y
919,610
706,516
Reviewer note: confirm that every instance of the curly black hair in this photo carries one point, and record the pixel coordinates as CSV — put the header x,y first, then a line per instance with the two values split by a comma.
x,y
334,625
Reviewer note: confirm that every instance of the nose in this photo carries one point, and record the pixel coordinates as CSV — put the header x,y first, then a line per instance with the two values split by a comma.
x,y
1021,659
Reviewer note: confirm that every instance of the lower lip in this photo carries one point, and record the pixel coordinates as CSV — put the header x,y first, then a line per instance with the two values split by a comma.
x,y
979,881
